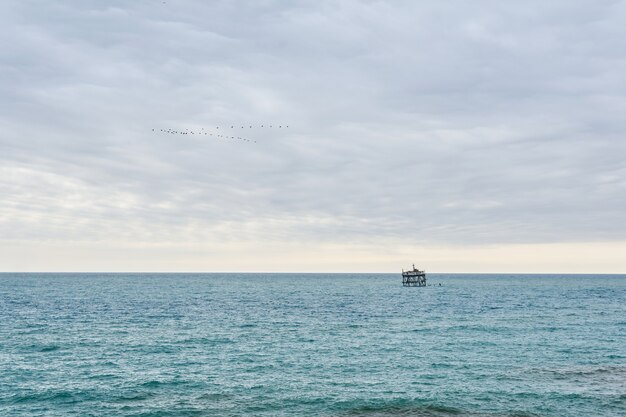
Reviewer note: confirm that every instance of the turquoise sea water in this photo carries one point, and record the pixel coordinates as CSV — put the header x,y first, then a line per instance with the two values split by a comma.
x,y
312,345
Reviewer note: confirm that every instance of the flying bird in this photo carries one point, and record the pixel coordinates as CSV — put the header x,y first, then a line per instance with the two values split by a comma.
x,y
207,131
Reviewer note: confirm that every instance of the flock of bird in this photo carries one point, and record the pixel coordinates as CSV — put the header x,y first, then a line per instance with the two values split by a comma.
x,y
222,133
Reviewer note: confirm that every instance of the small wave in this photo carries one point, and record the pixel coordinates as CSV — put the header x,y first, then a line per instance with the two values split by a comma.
x,y
153,384
45,396
139,396
50,348
206,341
215,396
588,371
400,408
173,412
104,376
41,348
169,383
405,408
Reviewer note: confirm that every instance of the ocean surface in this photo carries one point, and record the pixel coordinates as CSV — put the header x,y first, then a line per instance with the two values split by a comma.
x,y
312,345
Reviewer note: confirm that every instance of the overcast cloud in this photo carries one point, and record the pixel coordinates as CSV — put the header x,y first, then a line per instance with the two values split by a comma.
x,y
423,122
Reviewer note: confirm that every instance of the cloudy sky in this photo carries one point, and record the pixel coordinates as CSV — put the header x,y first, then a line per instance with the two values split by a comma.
x,y
462,136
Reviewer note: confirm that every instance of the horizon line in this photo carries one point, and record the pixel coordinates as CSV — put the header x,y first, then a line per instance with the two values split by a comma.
x,y
305,272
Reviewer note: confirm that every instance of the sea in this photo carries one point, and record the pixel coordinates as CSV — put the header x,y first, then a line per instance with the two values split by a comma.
x,y
258,344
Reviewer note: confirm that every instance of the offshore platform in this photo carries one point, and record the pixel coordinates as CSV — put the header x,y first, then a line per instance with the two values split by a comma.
x,y
414,278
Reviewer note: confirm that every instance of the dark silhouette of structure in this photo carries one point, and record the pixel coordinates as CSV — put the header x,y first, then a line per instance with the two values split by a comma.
x,y
414,278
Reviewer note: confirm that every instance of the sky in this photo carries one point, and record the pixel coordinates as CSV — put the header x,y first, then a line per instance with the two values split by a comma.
x,y
482,136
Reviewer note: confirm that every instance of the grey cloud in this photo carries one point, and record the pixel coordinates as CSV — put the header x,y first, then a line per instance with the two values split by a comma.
x,y
431,121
